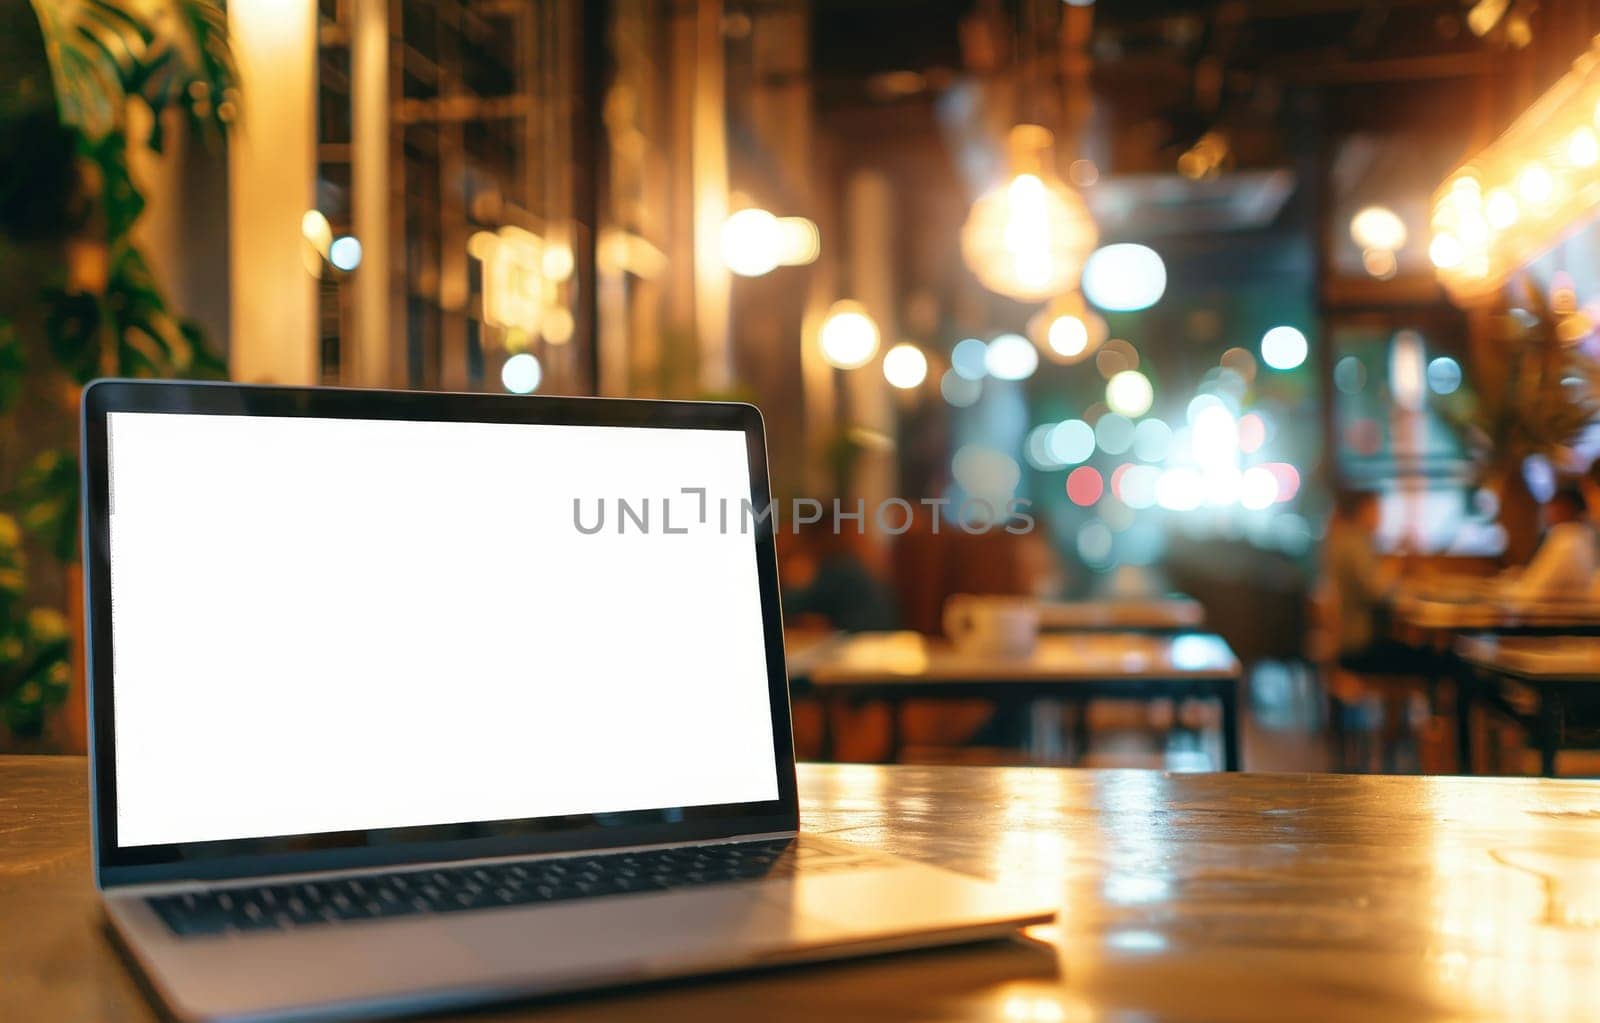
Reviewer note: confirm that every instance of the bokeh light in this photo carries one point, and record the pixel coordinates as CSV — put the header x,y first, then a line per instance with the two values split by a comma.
x,y
967,358
958,390
1072,442
1136,486
1094,544
1036,449
1027,238
1378,227
750,240
1240,361
1180,489
1118,356
904,366
1124,277
1068,336
345,253
1287,477
985,473
1152,439
1216,434
1011,357
1258,488
1114,433
521,373
1350,375
1283,348
1129,393
849,335
1252,433
1085,486
1444,375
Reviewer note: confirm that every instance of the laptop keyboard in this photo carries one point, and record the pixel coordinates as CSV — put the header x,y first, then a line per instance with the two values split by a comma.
x,y
485,886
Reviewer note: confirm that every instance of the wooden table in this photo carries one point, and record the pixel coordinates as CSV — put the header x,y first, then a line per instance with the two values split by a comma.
x,y
1122,614
1436,616
1476,611
1231,898
899,666
1562,673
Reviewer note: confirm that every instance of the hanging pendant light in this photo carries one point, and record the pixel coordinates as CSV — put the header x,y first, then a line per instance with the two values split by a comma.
x,y
1028,238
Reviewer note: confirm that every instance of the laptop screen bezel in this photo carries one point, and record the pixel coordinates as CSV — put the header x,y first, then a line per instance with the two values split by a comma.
x,y
116,865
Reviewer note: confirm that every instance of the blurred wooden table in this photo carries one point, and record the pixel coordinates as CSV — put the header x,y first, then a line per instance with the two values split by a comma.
x,y
1561,674
1221,897
1073,667
1133,614
1437,614
1476,605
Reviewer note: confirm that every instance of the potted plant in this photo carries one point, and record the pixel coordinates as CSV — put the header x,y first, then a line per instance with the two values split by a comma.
x,y
77,296
1535,395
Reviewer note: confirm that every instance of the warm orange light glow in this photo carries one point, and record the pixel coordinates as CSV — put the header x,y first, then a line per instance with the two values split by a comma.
x,y
849,336
1514,199
1028,238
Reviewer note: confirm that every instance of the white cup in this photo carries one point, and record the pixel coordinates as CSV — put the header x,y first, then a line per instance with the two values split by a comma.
x,y
992,626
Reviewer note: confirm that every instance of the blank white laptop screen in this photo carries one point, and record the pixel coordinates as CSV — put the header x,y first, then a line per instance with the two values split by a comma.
x,y
329,625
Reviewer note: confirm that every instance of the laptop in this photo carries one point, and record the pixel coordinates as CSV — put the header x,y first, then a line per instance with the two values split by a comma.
x,y
404,701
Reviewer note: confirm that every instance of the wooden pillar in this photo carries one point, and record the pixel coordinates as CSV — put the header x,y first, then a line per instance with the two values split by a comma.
x,y
708,127
371,196
272,183
869,219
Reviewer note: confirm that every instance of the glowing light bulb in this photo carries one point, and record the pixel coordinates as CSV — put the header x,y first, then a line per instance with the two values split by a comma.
x,y
1446,251
750,241
1378,227
849,336
1535,184
904,366
1068,336
1028,238
1500,209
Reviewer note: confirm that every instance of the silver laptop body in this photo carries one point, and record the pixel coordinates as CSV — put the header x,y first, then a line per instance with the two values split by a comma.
x,y
409,701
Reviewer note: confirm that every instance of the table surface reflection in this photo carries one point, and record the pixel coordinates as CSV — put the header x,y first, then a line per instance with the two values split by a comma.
x,y
1194,897
1468,602
1168,614
1556,658
910,656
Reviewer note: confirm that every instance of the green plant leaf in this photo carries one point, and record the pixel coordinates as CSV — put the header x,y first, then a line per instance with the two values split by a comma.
x,y
47,496
166,52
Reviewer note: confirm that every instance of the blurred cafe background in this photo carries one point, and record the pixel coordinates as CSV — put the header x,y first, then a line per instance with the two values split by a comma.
x,y
1278,318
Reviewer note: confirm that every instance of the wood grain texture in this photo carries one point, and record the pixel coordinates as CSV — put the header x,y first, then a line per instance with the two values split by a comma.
x,y
1184,897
